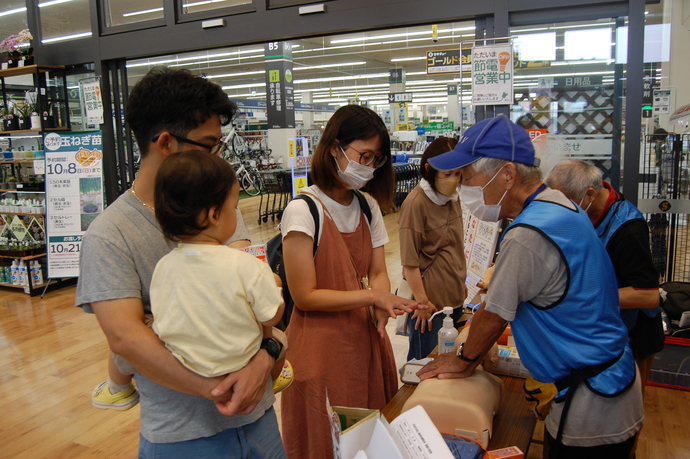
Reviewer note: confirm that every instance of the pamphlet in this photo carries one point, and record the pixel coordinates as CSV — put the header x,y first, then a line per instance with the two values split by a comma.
x,y
259,251
365,434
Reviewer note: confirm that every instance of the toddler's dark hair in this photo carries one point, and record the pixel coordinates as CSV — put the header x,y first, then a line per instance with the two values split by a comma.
x,y
187,184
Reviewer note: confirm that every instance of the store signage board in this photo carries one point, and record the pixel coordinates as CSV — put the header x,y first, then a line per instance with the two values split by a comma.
x,y
394,97
492,75
74,196
448,61
662,101
93,102
298,151
280,96
480,246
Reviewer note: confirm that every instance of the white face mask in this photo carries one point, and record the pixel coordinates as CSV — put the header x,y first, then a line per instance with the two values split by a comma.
x,y
473,198
355,174
583,200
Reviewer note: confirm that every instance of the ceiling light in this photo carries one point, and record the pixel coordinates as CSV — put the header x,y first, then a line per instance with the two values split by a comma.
x,y
135,13
242,86
52,2
402,59
16,10
198,58
379,37
583,62
66,37
229,75
206,2
351,77
342,64
337,47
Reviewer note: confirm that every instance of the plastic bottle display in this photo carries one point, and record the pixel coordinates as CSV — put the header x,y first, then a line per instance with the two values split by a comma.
x,y
36,273
14,273
448,333
23,280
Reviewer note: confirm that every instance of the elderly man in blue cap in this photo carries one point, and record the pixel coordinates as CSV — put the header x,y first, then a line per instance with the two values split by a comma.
x,y
554,282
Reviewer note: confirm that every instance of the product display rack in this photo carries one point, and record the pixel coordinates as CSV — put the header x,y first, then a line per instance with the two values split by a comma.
x,y
51,104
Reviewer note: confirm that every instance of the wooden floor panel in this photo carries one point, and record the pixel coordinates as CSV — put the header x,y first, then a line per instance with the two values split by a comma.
x,y
52,355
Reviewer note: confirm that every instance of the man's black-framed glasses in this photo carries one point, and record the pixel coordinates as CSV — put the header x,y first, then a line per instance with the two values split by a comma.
x,y
367,158
213,149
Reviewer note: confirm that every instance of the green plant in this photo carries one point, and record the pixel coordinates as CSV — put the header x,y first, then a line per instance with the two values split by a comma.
x,y
25,110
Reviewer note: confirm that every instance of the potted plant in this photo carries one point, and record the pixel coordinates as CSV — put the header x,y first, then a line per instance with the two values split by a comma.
x,y
24,113
9,121
15,46
26,52
47,120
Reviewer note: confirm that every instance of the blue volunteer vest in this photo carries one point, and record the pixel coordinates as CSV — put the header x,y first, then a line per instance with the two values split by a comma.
x,y
583,328
618,214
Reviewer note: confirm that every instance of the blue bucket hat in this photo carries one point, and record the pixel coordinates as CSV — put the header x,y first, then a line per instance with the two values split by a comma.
x,y
492,138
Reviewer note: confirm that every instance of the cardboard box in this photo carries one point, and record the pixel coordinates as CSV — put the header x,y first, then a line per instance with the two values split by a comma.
x,y
509,363
365,434
505,453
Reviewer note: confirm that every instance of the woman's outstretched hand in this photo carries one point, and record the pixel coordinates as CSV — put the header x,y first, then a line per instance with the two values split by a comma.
x,y
388,306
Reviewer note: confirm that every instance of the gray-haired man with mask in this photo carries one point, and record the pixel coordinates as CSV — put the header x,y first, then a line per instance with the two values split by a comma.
x,y
554,281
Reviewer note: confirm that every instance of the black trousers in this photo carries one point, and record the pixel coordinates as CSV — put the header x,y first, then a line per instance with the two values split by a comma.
x,y
613,451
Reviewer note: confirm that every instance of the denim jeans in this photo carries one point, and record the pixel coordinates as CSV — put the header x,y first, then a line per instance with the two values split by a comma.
x,y
258,440
421,344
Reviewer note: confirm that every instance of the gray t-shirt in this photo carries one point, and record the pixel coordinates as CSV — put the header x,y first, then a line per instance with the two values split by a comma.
x,y
118,255
530,268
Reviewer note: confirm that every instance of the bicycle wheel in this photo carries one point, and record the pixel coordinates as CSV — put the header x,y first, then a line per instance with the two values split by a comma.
x,y
252,183
239,145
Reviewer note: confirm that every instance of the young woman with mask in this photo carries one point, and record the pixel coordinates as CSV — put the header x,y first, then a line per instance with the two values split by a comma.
x,y
336,349
431,249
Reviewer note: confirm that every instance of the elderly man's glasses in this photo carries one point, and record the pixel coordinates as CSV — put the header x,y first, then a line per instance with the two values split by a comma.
x,y
213,149
367,158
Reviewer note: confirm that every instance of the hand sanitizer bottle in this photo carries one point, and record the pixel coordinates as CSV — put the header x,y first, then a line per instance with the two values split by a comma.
x,y
448,333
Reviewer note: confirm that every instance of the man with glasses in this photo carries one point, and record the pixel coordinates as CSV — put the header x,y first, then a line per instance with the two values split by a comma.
x,y
182,413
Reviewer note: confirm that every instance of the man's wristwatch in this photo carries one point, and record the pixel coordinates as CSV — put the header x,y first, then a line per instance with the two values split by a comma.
x,y
462,357
272,346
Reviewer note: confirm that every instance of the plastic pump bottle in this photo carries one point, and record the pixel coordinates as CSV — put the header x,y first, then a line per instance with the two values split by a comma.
x,y
14,273
448,333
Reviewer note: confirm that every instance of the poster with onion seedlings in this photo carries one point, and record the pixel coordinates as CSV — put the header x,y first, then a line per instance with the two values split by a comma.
x,y
74,196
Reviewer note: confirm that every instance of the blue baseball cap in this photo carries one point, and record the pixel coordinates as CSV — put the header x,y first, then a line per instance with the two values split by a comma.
x,y
492,138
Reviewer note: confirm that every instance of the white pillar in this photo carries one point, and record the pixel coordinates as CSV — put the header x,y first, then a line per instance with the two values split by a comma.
x,y
278,141
307,117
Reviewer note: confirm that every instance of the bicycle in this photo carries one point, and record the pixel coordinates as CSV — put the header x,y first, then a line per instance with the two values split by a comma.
x,y
234,144
250,180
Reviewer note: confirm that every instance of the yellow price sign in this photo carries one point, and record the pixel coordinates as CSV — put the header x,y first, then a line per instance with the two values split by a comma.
x,y
299,183
291,148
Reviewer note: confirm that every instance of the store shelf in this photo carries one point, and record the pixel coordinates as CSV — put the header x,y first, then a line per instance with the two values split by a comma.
x,y
3,284
22,191
19,213
33,131
16,71
17,161
30,257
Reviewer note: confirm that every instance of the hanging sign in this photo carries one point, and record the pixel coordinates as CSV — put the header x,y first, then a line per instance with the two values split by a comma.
x,y
448,61
93,102
492,75
279,85
74,196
